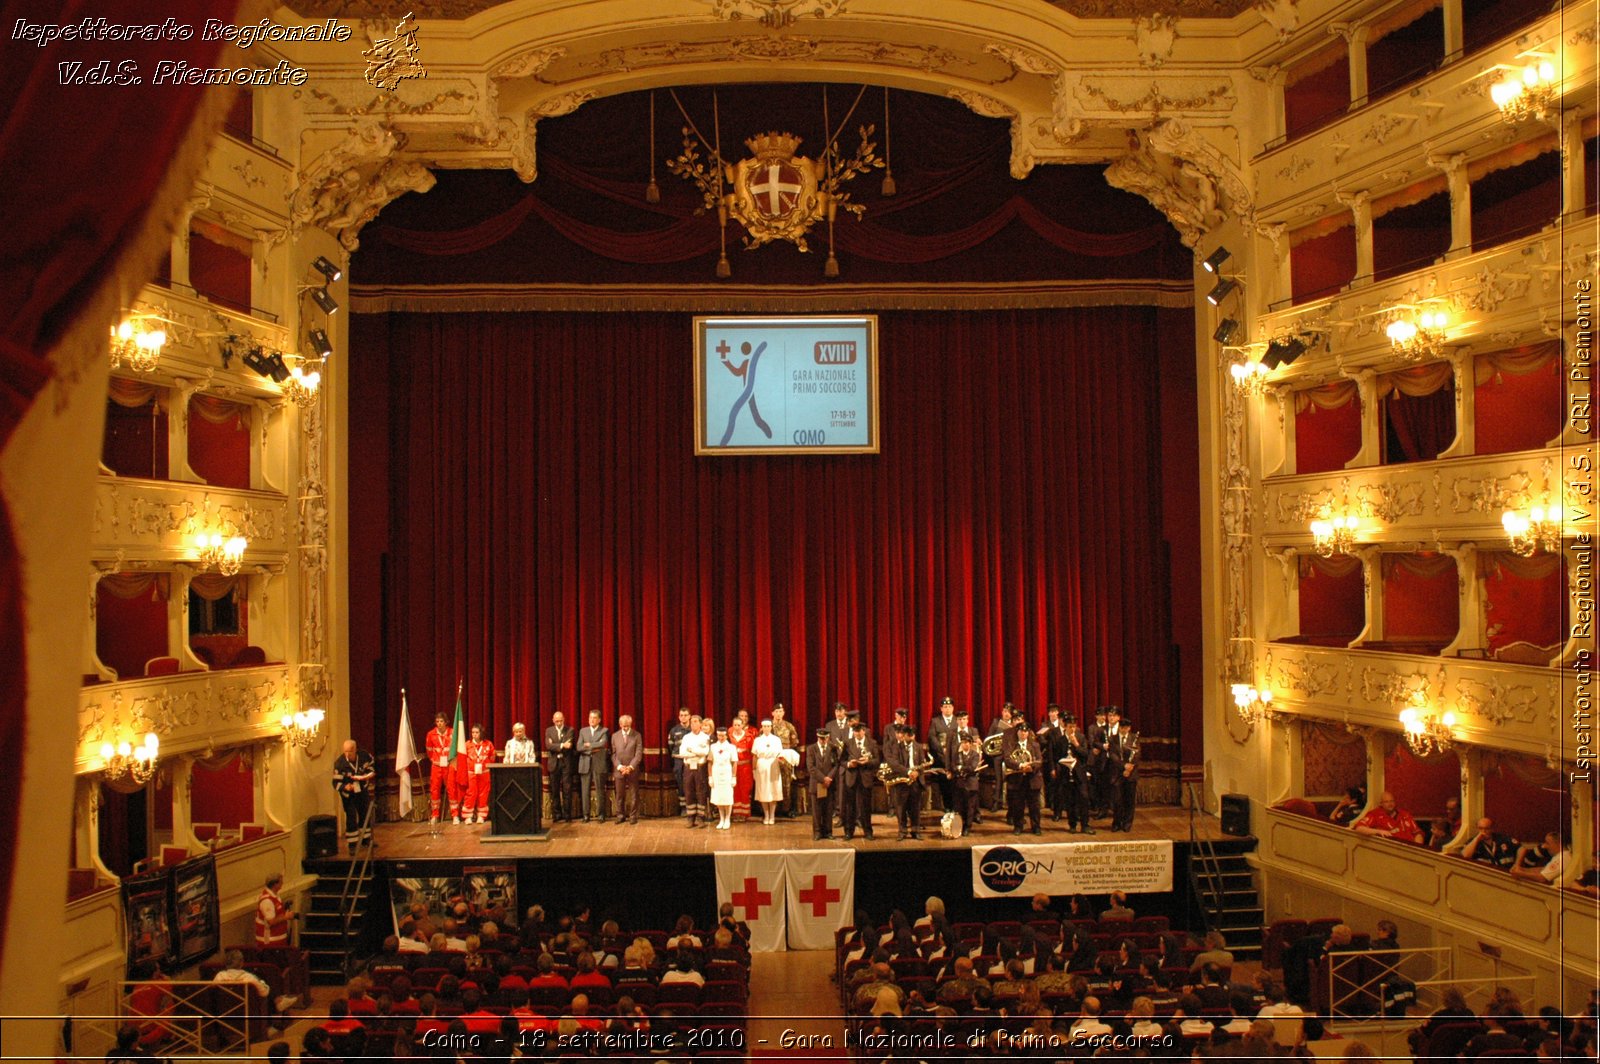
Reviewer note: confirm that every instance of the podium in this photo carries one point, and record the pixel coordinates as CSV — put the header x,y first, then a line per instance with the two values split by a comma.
x,y
515,802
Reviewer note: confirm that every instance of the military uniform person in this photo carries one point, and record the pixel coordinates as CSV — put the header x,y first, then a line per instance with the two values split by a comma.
x,y
1074,775
860,756
968,775
907,760
822,766
1026,762
1122,764
789,736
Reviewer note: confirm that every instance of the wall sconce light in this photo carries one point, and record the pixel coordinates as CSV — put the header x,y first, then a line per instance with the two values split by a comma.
x,y
1526,93
137,346
1419,339
1426,732
1216,259
125,759
301,387
327,268
225,554
1540,530
1249,377
1251,702
1220,290
1334,534
301,729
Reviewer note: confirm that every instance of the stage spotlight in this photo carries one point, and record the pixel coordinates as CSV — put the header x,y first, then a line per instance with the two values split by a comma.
x,y
1220,292
1226,332
1284,352
1213,261
277,368
321,344
258,359
321,298
333,273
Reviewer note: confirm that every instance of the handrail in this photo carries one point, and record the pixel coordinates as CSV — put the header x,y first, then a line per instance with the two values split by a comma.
x,y
1211,909
186,1017
355,880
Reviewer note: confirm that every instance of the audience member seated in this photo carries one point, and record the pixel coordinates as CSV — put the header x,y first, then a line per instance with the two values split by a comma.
x,y
589,975
683,969
1494,1036
1089,1024
1216,952
1440,832
683,935
1389,821
1452,1009
476,1016
963,985
1141,1019
1543,864
547,976
347,1034
234,972
150,997
1211,992
1490,847
1119,908
1349,807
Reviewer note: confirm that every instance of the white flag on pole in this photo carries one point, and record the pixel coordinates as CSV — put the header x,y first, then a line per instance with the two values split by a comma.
x,y
405,755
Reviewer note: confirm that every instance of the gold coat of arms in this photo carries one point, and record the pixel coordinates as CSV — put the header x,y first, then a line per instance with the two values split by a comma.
x,y
775,192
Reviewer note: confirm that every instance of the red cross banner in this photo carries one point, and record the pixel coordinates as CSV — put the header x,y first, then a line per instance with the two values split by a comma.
x,y
822,895
754,882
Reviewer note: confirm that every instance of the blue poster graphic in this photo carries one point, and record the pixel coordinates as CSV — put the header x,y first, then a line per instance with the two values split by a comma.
x,y
786,384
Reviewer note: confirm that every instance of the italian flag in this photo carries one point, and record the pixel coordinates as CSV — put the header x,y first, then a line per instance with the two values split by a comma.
x,y
458,737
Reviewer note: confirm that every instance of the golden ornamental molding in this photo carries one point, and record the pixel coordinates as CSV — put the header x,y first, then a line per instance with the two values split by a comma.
x,y
775,14
188,710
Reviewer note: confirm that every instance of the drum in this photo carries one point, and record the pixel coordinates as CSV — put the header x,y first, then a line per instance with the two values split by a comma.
x,y
950,825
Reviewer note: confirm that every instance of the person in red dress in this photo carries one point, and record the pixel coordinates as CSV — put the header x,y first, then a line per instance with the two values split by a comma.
x,y
1389,821
441,776
743,737
480,755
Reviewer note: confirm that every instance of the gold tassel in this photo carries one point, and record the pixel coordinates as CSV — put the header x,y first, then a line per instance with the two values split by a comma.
x,y
652,191
888,167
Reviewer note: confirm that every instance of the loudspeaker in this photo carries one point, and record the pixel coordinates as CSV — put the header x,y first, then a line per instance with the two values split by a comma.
x,y
322,836
1236,814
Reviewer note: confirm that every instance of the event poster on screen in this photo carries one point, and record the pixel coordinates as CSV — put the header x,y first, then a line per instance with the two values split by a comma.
x,y
786,385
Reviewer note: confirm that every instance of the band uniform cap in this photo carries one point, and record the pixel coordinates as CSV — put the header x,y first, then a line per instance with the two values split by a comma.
x,y
766,723
961,713
777,705
858,726
947,701
1022,725
901,711
823,733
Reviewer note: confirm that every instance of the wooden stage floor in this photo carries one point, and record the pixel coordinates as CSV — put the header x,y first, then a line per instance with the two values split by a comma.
x,y
670,836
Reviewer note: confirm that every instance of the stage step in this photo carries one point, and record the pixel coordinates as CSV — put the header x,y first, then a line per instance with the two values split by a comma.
x,y
1224,884
329,934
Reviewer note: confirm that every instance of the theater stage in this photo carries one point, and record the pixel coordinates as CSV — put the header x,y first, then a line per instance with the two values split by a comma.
x,y
670,836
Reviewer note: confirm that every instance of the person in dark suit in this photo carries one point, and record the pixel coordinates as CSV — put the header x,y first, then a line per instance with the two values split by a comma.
x,y
944,741
561,752
1073,761
1001,726
822,766
1026,762
1099,778
906,759
971,811
353,773
839,730
1049,736
627,760
1122,764
968,776
675,735
860,773
594,750
891,731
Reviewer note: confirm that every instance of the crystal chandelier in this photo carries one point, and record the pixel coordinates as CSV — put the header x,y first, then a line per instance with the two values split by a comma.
x,y
136,347
1334,534
225,554
1249,377
125,759
1540,530
1526,93
301,387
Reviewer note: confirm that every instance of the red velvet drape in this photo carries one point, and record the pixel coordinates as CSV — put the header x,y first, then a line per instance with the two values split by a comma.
x,y
69,236
553,540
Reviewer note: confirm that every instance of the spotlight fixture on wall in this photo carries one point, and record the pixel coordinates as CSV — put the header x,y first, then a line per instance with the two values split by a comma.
x,y
321,344
323,300
1284,350
1526,93
1220,291
1251,702
1538,530
1427,732
267,363
1227,331
137,345
124,759
1216,259
326,267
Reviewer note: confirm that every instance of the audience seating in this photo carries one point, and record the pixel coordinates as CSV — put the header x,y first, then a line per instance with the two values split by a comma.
x,y
162,666
250,655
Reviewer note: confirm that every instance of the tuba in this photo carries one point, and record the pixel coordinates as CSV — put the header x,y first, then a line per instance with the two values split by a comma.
x,y
993,744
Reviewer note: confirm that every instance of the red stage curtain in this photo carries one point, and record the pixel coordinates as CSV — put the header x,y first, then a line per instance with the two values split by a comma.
x,y
71,244
1327,427
1420,598
219,441
553,540
1520,402
1333,602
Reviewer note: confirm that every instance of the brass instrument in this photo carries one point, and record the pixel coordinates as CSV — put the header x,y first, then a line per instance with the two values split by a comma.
x,y
1019,765
993,744
923,768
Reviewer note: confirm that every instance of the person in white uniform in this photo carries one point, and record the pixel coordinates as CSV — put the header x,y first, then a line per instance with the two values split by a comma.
x,y
724,759
767,750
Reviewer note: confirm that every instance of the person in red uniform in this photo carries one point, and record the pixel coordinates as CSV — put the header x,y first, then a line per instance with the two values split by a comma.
x,y
272,916
1389,821
480,755
443,779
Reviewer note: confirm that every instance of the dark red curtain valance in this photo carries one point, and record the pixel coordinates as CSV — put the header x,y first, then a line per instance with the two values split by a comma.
x,y
547,535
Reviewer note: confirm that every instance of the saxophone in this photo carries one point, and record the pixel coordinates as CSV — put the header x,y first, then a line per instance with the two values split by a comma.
x,y
886,772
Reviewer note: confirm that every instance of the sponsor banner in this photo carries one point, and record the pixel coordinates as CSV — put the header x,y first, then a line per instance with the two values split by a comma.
x,y
1072,868
821,895
755,882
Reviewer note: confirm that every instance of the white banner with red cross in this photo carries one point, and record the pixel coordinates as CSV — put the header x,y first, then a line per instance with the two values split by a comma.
x,y
754,882
792,899
822,895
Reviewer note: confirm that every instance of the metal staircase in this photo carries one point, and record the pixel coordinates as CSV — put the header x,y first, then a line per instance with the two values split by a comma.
x,y
1224,885
336,918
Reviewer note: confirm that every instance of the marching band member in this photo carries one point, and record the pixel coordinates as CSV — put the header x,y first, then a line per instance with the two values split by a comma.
x,y
944,739
907,760
1001,734
1027,782
968,776
1074,763
1122,764
441,778
971,810
480,755
860,772
694,750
